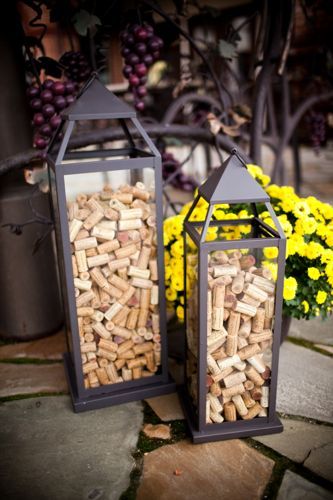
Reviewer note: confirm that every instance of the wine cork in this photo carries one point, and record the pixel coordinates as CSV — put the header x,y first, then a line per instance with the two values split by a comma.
x,y
141,283
240,405
234,379
260,337
85,311
125,251
224,270
88,347
247,261
248,351
154,295
93,219
229,411
253,412
237,284
269,307
117,264
233,391
248,400
100,329
258,321
84,285
74,228
264,284
264,400
253,375
107,344
132,319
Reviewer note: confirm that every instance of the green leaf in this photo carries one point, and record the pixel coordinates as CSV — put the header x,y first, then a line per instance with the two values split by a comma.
x,y
84,21
227,50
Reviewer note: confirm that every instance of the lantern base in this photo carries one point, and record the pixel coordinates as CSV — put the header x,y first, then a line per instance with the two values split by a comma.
x,y
81,404
228,430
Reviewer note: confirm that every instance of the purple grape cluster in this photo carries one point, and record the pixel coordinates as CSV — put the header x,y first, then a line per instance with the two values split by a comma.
x,y
140,48
46,103
181,181
317,128
76,66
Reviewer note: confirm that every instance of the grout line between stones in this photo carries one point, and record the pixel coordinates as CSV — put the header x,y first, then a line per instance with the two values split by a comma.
x,y
30,361
283,463
300,418
308,345
18,397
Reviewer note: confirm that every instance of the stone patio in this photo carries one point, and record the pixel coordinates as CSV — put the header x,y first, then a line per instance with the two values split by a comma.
x,y
53,453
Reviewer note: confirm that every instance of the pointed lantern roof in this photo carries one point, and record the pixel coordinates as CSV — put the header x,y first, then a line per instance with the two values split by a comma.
x,y
96,102
232,183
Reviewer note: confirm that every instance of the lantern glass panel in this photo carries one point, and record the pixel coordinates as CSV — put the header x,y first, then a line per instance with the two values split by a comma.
x,y
126,147
113,235
192,324
240,331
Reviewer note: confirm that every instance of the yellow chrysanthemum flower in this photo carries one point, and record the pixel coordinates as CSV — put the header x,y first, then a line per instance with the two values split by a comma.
x,y
326,256
305,305
177,248
313,250
290,287
271,252
274,191
177,283
180,313
301,208
329,269
306,225
168,272
321,297
166,257
313,273
170,294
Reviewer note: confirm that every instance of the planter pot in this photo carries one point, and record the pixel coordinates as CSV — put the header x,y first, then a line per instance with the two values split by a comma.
x,y
176,339
30,305
285,327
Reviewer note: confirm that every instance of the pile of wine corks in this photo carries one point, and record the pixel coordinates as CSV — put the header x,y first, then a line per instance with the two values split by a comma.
x,y
114,261
240,316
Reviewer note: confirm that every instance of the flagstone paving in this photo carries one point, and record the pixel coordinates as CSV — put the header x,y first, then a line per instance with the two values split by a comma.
x,y
52,347
295,487
159,431
305,383
320,461
166,407
317,330
17,378
48,452
315,451
211,471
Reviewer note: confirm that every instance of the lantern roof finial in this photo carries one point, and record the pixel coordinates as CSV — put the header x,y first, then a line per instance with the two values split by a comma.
x,y
95,102
232,183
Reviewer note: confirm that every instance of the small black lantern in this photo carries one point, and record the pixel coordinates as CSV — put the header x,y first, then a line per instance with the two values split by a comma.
x,y
233,309
107,207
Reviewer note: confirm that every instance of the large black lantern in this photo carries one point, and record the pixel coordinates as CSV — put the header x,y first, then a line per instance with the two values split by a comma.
x,y
234,271
107,207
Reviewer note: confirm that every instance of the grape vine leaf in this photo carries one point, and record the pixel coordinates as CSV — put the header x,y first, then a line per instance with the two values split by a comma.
x,y
227,50
84,21
216,125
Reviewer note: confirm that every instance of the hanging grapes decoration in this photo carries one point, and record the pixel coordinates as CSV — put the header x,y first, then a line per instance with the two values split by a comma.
x,y
140,49
52,96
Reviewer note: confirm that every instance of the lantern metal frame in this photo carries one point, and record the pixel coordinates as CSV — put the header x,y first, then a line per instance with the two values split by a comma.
x,y
230,183
94,103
